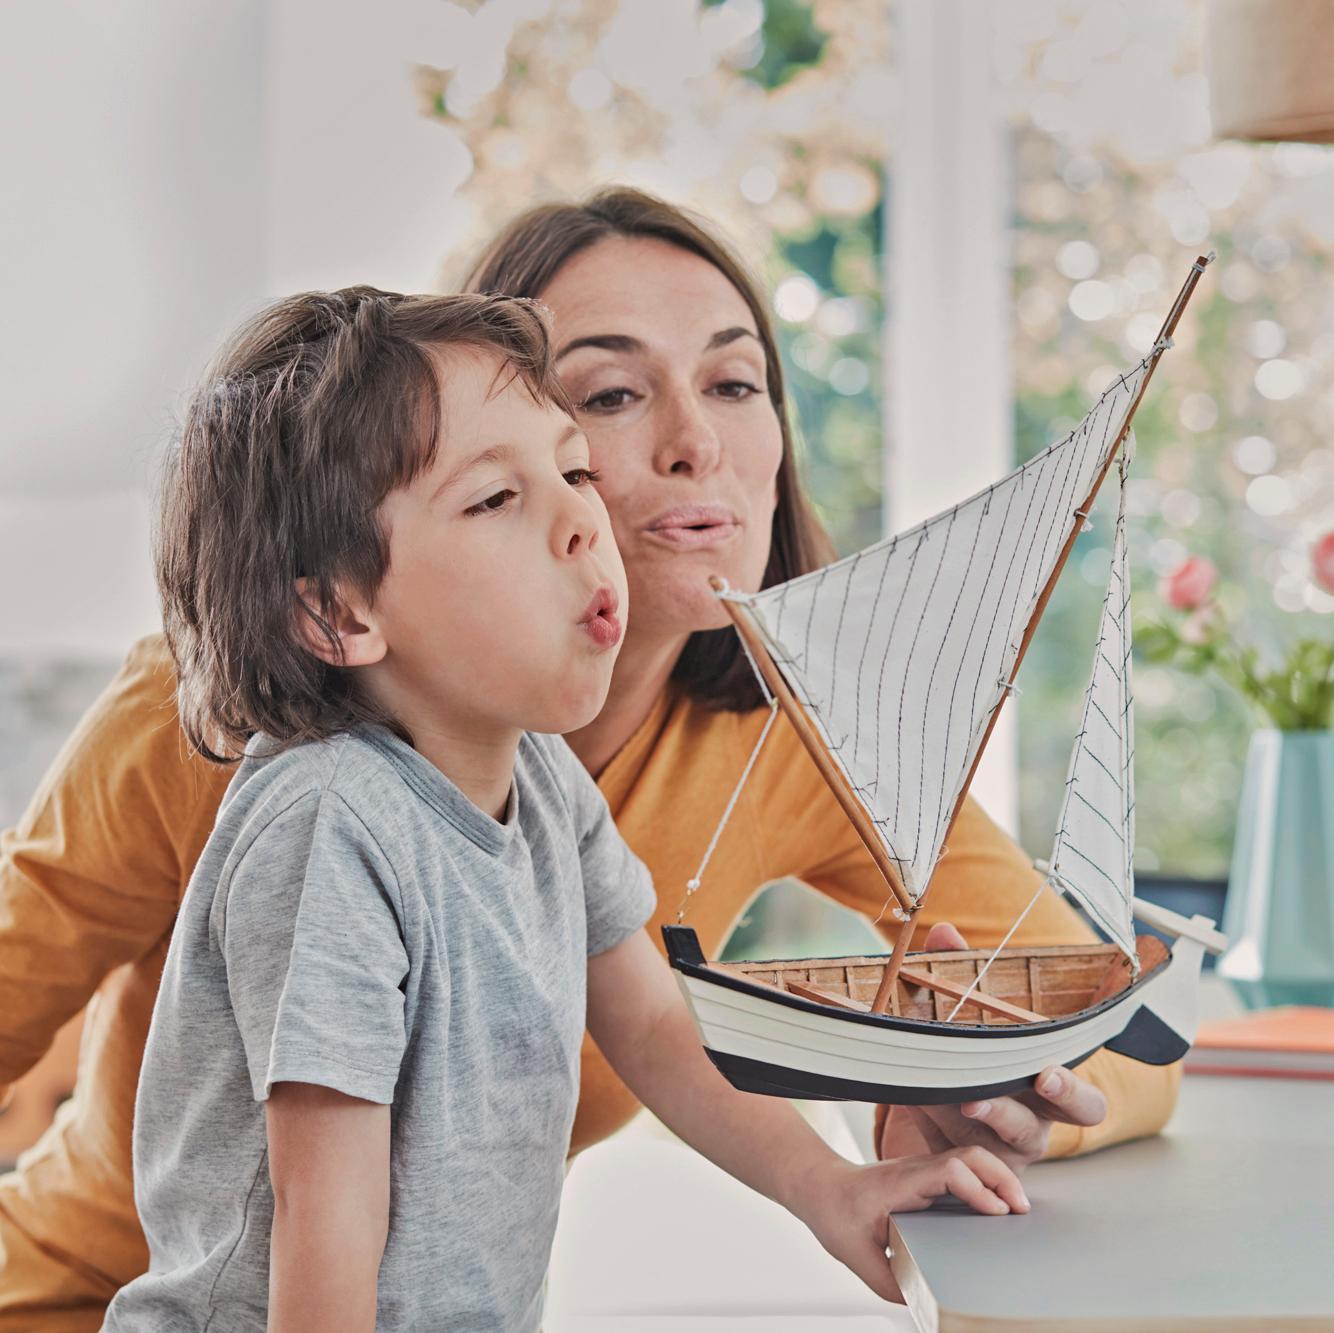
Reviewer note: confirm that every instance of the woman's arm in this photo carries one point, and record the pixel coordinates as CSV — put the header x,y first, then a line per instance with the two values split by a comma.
x,y
329,1165
637,1017
92,876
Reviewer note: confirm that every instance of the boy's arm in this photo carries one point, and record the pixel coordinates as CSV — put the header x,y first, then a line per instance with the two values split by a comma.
x,y
329,1165
637,1017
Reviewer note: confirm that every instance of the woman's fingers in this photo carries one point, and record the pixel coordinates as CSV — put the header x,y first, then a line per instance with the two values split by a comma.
x,y
1017,1126
909,1130
1066,1096
943,935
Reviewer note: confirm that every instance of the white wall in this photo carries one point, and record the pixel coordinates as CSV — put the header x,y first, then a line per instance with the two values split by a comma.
x,y
169,165
133,171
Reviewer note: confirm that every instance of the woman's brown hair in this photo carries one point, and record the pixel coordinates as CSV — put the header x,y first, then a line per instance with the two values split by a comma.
x,y
524,259
311,414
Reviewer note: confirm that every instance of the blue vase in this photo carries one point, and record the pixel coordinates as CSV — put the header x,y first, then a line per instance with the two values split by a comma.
x,y
1279,916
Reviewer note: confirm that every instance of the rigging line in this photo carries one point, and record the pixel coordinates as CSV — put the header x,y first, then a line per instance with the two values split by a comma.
x,y
985,968
693,884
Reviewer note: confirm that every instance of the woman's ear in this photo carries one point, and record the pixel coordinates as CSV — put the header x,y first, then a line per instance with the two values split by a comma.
x,y
345,635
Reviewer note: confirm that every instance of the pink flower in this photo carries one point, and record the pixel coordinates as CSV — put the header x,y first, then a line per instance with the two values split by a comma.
x,y
1190,584
1322,561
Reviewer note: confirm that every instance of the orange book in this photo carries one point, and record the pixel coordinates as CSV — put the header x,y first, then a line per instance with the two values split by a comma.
x,y
1296,1041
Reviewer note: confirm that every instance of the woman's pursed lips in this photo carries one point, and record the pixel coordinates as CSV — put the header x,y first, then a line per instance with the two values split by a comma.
x,y
694,525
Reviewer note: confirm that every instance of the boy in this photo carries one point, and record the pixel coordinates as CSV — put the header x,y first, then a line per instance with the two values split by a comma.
x,y
382,563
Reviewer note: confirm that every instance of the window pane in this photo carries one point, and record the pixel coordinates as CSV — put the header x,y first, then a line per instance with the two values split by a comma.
x,y
1117,187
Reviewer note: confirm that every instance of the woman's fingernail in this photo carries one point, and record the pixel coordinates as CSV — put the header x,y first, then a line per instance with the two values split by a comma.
x,y
1051,1083
1023,1198
980,1111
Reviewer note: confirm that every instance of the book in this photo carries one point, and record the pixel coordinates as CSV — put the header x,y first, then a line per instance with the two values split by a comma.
x,y
1294,1041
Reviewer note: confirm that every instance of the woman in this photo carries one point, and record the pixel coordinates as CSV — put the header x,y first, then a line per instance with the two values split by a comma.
x,y
667,349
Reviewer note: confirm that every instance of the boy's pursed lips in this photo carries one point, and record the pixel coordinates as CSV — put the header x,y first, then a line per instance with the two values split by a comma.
x,y
687,527
599,620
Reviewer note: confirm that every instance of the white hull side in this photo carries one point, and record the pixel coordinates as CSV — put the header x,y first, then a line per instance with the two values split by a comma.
x,y
823,1049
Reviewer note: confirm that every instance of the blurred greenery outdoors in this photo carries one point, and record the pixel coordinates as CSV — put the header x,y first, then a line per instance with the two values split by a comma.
x,y
1114,194
1188,494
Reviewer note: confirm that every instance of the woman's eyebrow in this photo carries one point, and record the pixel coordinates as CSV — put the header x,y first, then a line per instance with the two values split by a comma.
x,y
725,336
609,342
621,342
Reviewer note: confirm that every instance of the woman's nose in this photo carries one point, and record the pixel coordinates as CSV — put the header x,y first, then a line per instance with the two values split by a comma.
x,y
686,442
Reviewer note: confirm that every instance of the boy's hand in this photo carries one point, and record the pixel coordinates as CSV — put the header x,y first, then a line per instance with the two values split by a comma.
x,y
848,1207
1016,1129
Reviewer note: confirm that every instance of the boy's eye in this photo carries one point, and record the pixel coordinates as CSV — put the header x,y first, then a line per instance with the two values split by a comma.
x,y
492,504
608,400
581,476
737,390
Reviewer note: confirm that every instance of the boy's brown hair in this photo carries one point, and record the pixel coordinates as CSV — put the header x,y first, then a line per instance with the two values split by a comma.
x,y
312,413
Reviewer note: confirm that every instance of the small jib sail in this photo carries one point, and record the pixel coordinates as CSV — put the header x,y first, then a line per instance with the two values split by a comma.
x,y
1094,851
901,654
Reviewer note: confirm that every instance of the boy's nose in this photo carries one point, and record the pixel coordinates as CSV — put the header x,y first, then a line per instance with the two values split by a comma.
x,y
576,527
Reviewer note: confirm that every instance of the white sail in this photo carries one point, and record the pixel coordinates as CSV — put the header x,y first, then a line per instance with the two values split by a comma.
x,y
1093,855
901,653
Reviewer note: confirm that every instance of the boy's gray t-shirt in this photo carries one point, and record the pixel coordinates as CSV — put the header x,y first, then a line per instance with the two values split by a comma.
x,y
356,922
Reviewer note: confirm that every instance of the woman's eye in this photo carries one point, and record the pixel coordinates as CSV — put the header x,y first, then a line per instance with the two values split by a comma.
x,y
735,389
608,400
492,504
581,476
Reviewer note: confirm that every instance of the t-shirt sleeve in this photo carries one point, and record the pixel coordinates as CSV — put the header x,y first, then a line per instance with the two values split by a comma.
x,y
618,889
316,962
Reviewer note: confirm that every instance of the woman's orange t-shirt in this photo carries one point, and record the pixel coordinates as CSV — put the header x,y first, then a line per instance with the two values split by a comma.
x,y
91,880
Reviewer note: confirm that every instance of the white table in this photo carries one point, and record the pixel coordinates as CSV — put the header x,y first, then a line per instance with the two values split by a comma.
x,y
1226,1222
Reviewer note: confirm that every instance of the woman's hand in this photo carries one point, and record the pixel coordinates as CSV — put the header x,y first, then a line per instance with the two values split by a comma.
x,y
848,1207
1015,1129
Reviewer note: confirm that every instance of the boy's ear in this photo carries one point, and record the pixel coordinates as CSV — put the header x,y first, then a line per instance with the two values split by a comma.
x,y
359,641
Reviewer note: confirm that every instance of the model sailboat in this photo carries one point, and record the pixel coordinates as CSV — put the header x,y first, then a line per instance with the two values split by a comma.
x,y
892,666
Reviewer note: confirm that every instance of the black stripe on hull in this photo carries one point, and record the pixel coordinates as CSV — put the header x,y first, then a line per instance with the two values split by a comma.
x,y
1149,1040
778,1081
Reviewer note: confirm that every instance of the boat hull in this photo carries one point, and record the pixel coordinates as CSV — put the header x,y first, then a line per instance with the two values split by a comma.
x,y
766,1041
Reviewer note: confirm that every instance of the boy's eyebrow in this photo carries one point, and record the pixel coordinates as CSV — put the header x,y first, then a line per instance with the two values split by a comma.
x,y
495,453
622,342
